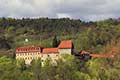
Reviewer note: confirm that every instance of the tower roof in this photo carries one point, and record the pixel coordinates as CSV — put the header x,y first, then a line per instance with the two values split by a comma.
x,y
65,44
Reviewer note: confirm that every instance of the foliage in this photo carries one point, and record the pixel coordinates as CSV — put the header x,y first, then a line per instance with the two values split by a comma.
x,y
85,35
55,42
96,37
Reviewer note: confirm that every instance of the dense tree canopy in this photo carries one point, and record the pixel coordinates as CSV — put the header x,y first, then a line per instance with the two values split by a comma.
x,y
67,68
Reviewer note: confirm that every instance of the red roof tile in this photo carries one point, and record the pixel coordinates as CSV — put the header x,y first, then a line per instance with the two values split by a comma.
x,y
28,49
65,44
50,50
115,50
97,55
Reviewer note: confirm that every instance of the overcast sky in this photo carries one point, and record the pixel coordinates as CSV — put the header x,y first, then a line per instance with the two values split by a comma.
x,y
89,10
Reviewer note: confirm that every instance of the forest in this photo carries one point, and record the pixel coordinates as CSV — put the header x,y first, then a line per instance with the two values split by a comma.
x,y
95,37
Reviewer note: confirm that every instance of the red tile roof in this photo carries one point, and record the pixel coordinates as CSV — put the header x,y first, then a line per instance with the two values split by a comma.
x,y
97,55
110,54
65,44
28,49
50,50
115,50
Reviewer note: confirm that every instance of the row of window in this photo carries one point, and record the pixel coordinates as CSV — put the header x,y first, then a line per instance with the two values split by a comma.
x,y
36,57
26,54
29,58
28,49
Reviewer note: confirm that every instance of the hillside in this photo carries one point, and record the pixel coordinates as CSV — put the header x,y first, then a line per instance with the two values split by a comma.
x,y
100,37
90,36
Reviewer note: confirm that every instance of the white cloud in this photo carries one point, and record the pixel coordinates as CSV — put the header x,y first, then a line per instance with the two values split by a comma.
x,y
63,15
91,9
28,8
83,9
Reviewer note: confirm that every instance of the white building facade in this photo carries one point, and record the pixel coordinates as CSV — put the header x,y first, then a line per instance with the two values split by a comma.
x,y
28,53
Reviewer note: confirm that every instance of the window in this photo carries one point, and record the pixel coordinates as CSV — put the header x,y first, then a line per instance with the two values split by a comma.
x,y
42,60
38,53
42,55
17,54
48,55
26,49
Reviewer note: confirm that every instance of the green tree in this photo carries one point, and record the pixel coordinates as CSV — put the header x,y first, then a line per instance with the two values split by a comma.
x,y
8,69
36,68
55,42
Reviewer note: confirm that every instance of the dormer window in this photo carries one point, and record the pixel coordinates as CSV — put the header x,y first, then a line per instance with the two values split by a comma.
x,y
18,49
29,49
37,48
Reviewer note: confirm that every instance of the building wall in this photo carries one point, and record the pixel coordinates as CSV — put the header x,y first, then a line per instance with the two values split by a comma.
x,y
65,51
28,57
53,56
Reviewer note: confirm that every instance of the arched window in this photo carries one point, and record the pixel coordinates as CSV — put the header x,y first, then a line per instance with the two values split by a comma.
x,y
26,50
18,49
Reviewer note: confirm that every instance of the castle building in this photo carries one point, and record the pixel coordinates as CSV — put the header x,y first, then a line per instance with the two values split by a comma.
x,y
28,53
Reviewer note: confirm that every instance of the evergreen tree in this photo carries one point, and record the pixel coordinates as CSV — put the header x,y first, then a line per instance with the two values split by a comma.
x,y
55,41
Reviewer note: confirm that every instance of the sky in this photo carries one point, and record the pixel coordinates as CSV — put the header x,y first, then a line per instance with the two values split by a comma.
x,y
87,10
